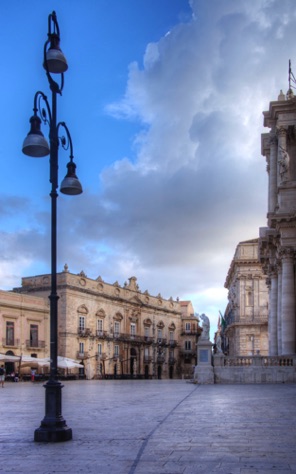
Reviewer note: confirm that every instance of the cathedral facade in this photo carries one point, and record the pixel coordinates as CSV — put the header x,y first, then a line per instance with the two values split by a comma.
x,y
277,241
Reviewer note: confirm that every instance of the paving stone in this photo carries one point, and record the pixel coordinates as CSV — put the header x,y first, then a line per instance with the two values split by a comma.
x,y
161,427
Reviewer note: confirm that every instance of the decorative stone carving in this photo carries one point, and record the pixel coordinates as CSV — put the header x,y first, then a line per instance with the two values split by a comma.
x,y
284,163
132,284
82,274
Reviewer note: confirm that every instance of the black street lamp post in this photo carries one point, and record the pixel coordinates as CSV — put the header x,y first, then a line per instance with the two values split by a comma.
x,y
53,427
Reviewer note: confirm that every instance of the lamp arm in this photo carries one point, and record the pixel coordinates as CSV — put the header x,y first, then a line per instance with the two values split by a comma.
x,y
66,144
41,111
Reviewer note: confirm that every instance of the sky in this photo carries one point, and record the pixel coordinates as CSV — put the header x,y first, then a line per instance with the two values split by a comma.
x,y
164,102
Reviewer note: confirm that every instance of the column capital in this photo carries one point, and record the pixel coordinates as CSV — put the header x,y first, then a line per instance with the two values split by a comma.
x,y
287,253
281,131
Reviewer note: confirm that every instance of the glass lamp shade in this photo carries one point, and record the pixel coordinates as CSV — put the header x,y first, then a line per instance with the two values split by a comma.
x,y
35,144
56,62
71,184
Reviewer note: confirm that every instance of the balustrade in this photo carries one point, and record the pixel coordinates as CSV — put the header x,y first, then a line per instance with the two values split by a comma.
x,y
263,361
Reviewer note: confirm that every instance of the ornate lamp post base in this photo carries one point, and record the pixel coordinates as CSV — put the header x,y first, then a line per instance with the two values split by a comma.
x,y
53,427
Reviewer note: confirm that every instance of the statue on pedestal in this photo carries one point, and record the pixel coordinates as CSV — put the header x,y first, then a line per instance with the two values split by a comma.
x,y
205,327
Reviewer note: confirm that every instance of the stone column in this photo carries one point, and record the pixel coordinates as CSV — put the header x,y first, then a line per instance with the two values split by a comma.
x,y
272,316
272,182
288,301
279,309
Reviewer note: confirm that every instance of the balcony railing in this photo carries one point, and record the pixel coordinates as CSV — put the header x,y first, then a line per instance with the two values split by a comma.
x,y
148,339
161,341
101,334
9,342
35,344
101,355
129,338
147,359
81,355
191,332
84,332
172,360
187,353
172,343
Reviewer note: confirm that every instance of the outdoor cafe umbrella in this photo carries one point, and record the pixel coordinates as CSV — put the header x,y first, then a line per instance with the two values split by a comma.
x,y
9,358
28,360
66,363
63,363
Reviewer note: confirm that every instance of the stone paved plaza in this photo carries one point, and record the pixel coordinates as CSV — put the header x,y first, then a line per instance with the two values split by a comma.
x,y
142,427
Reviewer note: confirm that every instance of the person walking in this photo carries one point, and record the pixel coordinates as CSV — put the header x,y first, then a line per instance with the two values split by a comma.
x,y
2,375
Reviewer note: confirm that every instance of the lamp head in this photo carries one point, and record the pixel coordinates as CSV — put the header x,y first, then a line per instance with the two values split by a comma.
x,y
71,184
54,59
35,144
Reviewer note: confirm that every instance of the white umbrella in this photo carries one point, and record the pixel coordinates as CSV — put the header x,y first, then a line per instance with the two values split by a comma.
x,y
9,358
28,360
63,363
66,363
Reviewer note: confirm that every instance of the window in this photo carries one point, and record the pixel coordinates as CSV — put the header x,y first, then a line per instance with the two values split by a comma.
x,y
33,335
187,345
81,326
116,328
146,352
100,327
81,347
159,333
249,298
10,333
146,331
116,350
99,349
133,330
187,327
171,336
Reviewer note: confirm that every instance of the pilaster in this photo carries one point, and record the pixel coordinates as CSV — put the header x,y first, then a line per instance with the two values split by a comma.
x,y
272,318
288,300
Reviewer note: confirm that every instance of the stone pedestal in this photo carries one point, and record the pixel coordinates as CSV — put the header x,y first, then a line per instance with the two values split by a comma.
x,y
204,372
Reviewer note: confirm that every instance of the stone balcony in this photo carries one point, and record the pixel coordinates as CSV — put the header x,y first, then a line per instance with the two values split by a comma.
x,y
35,344
10,342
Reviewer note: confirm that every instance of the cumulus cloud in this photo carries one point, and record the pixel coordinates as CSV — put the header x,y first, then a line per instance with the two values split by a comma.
x,y
199,185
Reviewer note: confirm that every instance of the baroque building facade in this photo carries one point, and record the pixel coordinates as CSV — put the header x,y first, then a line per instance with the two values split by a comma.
x,y
244,328
190,332
24,325
278,240
118,330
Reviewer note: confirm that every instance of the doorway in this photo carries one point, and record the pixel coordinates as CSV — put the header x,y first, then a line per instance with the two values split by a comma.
x,y
133,359
159,372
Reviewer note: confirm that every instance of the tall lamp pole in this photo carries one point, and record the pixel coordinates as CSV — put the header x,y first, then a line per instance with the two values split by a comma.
x,y
53,427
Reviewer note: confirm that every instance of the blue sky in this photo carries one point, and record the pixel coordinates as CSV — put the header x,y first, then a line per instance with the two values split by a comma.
x,y
164,101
